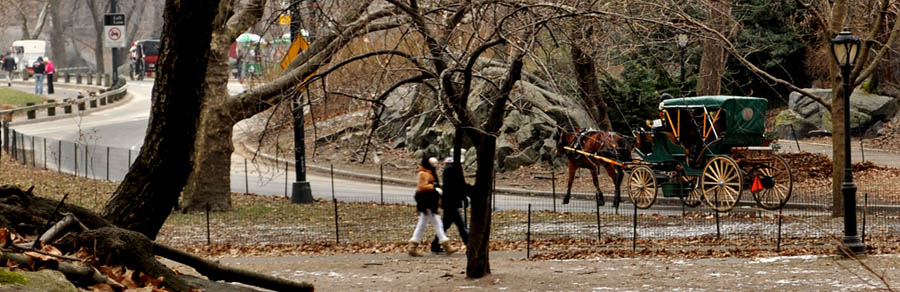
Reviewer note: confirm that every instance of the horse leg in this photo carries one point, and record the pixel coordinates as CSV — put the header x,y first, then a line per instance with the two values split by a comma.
x,y
594,172
572,169
616,174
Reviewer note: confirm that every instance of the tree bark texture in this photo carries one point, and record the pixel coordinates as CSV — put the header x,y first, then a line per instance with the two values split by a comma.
x,y
586,73
712,63
97,17
210,179
150,190
57,30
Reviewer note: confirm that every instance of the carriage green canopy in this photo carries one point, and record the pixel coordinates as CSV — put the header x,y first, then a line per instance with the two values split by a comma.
x,y
745,116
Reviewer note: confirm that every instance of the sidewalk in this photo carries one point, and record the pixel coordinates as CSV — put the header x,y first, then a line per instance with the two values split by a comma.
x,y
511,272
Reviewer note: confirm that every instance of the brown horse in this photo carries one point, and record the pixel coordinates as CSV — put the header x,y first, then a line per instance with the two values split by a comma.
x,y
607,144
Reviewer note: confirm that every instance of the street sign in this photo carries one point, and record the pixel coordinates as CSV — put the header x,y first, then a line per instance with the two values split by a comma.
x,y
114,30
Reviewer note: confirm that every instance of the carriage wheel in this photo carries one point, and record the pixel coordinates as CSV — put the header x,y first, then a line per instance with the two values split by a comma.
x,y
721,183
642,187
695,196
774,183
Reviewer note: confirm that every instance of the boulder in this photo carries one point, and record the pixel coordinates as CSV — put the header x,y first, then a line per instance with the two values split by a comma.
x,y
868,112
791,125
504,148
41,281
525,157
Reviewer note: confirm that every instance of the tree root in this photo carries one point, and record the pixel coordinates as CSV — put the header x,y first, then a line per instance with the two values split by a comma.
x,y
215,271
23,213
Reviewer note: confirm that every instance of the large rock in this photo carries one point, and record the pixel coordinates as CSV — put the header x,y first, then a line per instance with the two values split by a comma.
x,y
868,112
504,148
41,281
791,125
525,157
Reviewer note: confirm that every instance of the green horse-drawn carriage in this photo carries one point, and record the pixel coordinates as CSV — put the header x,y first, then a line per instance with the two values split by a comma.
x,y
709,149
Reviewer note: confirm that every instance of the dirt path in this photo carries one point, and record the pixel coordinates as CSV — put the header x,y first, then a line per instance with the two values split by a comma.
x,y
399,272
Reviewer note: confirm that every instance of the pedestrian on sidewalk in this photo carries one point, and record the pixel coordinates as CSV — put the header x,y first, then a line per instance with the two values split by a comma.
x,y
456,192
38,68
9,65
49,70
428,197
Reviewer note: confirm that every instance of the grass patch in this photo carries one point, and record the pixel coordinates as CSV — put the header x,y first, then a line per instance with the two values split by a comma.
x,y
18,98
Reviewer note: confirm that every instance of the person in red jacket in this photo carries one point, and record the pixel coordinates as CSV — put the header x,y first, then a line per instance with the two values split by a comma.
x,y
428,197
49,70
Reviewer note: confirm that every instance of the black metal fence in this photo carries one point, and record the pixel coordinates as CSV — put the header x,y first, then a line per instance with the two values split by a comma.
x,y
370,217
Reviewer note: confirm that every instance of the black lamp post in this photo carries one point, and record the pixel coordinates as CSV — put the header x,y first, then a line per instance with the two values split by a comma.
x,y
681,40
300,191
845,49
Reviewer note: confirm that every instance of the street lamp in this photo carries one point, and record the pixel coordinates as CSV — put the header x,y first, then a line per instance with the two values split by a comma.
x,y
300,190
845,50
681,40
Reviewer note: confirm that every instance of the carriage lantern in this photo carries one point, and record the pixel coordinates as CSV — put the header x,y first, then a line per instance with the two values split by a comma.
x,y
845,50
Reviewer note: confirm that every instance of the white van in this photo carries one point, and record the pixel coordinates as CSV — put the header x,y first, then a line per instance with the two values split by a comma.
x,y
26,52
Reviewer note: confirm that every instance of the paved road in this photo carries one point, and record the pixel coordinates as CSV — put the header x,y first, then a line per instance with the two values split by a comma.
x,y
121,130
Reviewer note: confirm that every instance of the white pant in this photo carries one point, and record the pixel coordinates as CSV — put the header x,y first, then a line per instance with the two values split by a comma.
x,y
424,218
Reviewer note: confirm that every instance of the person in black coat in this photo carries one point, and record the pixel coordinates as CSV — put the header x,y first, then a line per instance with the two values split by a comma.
x,y
9,65
455,196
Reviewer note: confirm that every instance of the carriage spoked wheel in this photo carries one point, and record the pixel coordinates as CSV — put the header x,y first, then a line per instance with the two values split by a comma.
x,y
721,183
642,187
772,183
695,197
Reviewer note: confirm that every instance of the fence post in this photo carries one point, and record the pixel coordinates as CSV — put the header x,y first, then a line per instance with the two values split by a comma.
x,y
75,162
634,231
553,188
528,235
381,181
246,178
208,237
597,200
31,114
865,214
796,139
780,213
337,232
285,179
24,153
86,172
15,145
129,159
51,111
6,136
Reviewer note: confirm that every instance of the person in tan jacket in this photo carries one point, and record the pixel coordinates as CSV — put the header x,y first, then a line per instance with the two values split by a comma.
x,y
428,197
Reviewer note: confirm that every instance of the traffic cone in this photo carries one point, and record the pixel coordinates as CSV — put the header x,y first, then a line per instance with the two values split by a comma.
x,y
757,185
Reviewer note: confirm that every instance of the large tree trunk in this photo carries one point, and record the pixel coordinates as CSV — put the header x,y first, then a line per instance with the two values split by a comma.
x,y
210,181
837,152
97,16
57,28
712,63
150,190
586,73
477,251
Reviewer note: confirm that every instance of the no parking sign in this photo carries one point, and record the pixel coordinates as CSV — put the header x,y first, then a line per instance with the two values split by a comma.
x,y
114,30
